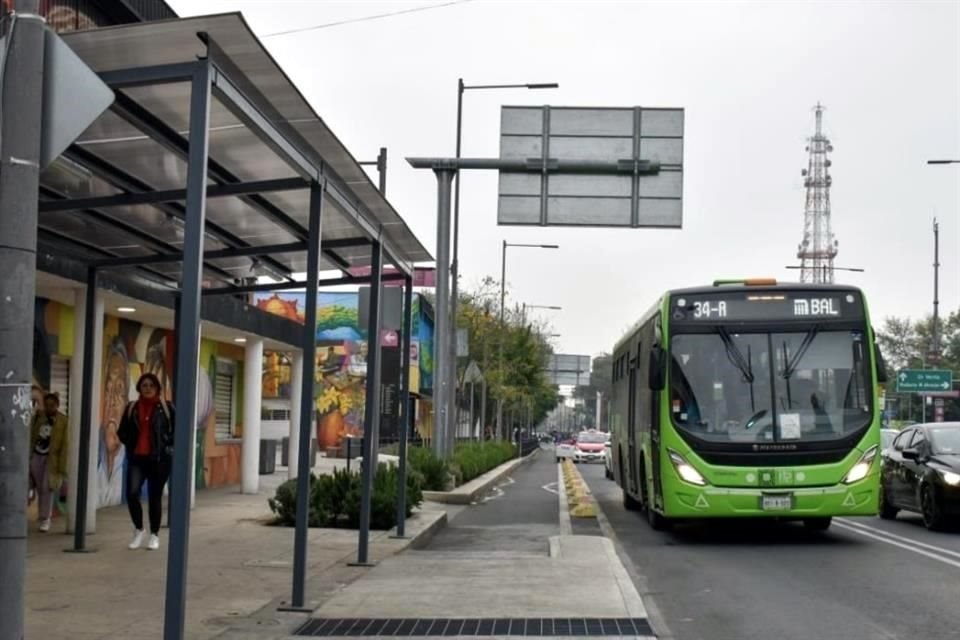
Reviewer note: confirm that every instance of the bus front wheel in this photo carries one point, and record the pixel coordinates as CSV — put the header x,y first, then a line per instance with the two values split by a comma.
x,y
657,521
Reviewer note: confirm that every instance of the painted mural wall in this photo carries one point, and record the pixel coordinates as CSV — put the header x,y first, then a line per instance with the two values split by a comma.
x,y
341,362
130,350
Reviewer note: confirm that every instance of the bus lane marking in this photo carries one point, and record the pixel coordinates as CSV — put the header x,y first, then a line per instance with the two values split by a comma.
x,y
914,549
931,547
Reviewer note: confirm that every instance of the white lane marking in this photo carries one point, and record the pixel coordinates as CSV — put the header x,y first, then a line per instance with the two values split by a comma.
x,y
955,554
953,563
495,493
551,487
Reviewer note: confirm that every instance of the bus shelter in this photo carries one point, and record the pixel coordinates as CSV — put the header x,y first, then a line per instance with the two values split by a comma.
x,y
210,165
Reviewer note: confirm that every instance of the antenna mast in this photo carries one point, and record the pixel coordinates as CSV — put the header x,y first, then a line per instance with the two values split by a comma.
x,y
819,248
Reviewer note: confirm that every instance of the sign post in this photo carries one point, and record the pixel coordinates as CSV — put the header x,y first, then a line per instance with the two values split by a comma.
x,y
924,380
561,166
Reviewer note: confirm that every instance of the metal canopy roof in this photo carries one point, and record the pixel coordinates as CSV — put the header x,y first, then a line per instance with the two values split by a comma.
x,y
140,147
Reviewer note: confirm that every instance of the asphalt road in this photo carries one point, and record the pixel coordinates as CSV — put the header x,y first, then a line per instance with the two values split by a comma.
x,y
864,579
520,515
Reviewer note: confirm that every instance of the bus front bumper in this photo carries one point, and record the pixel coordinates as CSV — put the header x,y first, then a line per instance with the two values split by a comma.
x,y
858,499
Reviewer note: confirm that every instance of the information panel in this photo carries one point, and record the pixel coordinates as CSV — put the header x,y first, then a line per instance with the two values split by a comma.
x,y
766,305
558,186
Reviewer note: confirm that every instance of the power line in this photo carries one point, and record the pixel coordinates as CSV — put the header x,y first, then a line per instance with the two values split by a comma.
x,y
364,18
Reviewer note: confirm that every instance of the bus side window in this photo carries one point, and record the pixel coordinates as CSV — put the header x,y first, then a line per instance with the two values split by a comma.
x,y
657,372
882,377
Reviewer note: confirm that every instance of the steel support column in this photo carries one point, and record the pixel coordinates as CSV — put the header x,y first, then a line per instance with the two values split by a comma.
x,y
371,423
86,411
22,93
188,354
309,350
441,352
406,418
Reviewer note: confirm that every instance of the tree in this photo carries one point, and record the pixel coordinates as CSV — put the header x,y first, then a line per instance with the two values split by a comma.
x,y
519,380
906,344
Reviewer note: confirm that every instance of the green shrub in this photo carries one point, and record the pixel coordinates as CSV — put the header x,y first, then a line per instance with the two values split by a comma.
x,y
329,496
335,499
435,472
284,504
473,459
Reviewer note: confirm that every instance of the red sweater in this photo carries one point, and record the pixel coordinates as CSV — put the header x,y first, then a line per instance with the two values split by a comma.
x,y
144,413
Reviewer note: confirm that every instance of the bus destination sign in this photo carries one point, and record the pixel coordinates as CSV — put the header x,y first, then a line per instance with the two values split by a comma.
x,y
760,306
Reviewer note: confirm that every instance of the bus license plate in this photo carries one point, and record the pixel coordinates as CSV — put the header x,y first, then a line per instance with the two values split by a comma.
x,y
776,503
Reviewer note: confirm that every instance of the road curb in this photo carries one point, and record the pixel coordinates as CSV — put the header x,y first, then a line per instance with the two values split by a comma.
x,y
566,527
422,537
654,615
580,501
628,591
467,494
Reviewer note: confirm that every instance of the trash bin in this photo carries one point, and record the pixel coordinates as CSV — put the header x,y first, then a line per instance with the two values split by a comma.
x,y
268,457
285,452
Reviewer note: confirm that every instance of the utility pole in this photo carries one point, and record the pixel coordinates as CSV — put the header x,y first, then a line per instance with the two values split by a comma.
x,y
21,98
936,290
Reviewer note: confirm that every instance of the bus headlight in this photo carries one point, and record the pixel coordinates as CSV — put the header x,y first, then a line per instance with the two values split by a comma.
x,y
860,470
951,478
685,469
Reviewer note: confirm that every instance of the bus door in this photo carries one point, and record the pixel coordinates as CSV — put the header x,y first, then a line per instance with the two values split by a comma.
x,y
652,337
632,426
655,446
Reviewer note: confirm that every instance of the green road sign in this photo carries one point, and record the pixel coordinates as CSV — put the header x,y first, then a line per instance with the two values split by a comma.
x,y
924,380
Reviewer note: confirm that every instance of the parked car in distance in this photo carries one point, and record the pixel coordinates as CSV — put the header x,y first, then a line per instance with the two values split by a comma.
x,y
921,472
566,449
607,459
590,446
886,438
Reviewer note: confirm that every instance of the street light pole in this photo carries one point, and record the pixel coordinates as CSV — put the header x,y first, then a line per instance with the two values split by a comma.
x,y
936,289
453,412
381,164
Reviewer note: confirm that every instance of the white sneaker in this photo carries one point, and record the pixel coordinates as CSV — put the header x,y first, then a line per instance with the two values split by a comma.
x,y
154,542
137,539
45,525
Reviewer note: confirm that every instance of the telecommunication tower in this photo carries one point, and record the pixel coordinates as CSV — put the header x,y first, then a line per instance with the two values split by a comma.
x,y
818,249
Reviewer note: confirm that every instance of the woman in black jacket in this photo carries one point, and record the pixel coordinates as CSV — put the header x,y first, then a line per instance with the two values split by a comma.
x,y
146,430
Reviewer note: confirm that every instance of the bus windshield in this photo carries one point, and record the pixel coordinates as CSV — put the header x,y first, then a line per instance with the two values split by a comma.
x,y
812,385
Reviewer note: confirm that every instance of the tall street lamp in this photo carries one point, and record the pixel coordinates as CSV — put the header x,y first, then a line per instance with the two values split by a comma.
x,y
539,306
503,295
935,347
454,261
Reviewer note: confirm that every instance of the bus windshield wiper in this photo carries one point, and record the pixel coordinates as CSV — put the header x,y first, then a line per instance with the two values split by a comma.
x,y
735,356
808,339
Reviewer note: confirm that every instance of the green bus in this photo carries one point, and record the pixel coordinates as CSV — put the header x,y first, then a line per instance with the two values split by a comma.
x,y
749,398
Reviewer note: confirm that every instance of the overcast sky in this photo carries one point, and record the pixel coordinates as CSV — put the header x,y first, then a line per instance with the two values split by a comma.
x,y
748,75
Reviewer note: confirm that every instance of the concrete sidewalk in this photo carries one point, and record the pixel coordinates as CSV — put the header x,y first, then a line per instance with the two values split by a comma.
x,y
240,570
498,564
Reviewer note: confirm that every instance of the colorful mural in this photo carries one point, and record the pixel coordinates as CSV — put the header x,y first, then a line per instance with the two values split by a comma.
x,y
221,460
287,305
131,349
341,372
276,375
341,363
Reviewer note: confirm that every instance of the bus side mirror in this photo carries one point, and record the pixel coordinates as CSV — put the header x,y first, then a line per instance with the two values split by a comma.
x,y
657,378
882,376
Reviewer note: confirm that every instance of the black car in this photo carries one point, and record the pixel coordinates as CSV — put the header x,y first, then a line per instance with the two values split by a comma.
x,y
921,472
